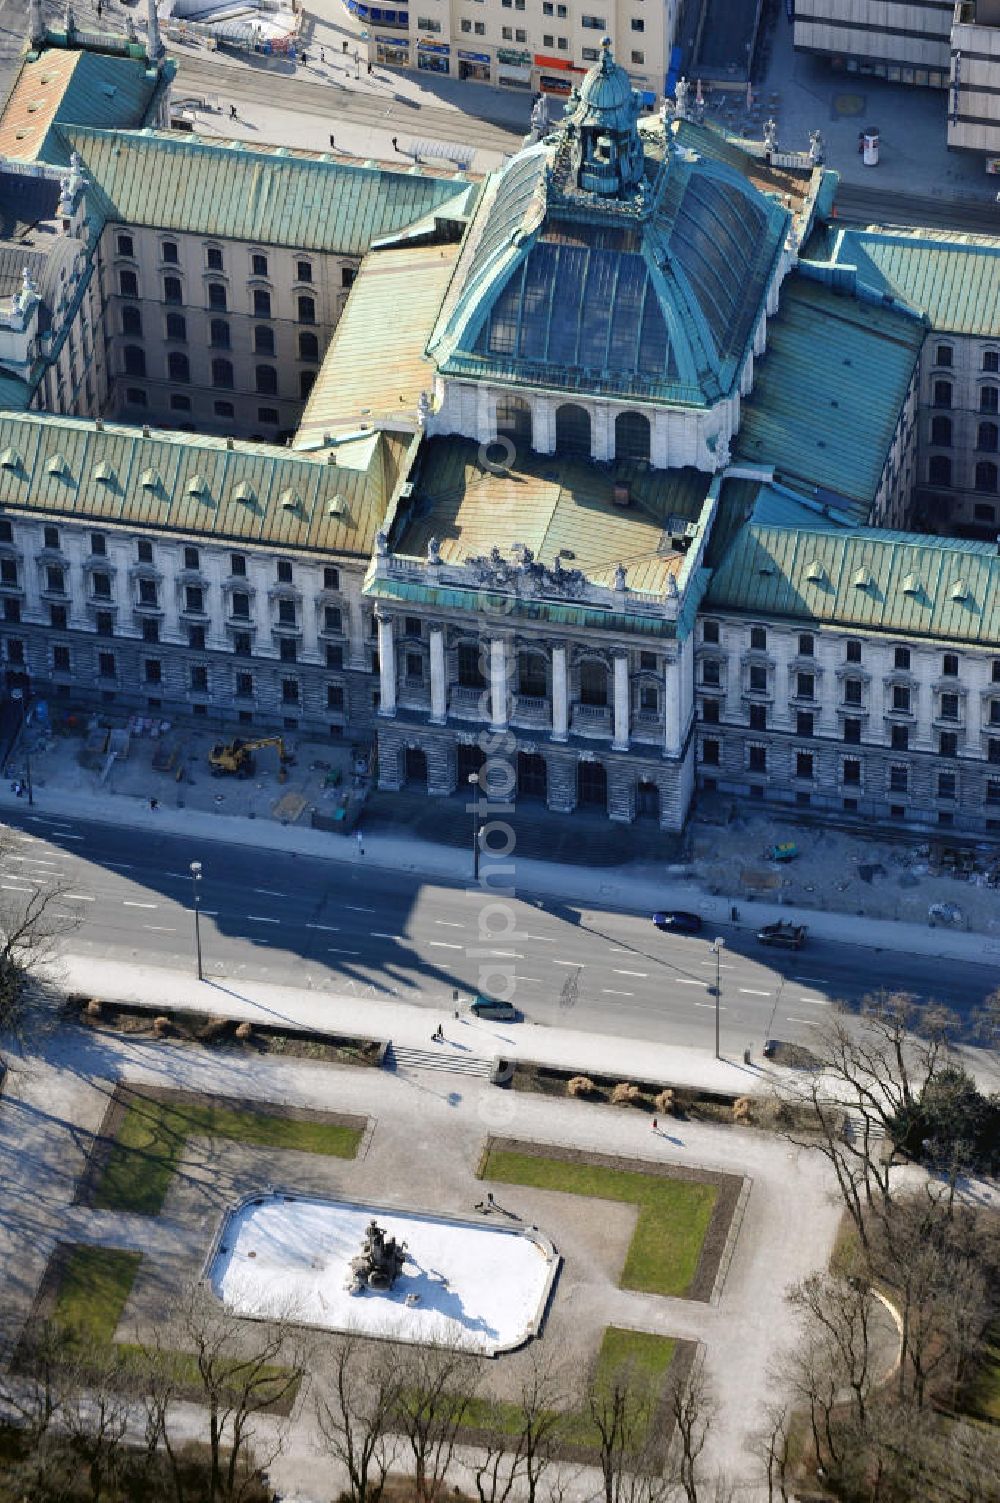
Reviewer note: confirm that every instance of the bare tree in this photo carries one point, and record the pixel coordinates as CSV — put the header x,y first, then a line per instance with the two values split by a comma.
x,y
839,1313
34,1397
519,1439
691,1407
620,1407
773,1448
32,924
355,1418
244,1369
96,1418
437,1388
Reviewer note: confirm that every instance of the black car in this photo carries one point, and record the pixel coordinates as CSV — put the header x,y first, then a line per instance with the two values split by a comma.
x,y
676,921
492,1007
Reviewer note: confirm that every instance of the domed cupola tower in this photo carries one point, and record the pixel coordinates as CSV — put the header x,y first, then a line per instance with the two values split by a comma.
x,y
602,124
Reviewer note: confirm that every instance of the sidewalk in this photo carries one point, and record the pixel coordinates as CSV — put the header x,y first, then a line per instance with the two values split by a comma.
x,y
634,888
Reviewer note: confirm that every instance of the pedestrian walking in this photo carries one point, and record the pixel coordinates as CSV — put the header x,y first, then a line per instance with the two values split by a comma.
x,y
154,804
322,55
395,143
331,140
655,1128
305,59
361,843
369,70
489,1198
232,112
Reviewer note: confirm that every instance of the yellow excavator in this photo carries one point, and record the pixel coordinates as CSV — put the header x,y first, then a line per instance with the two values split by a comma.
x,y
236,758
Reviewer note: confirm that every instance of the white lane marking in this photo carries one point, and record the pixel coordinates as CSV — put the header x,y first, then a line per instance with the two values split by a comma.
x,y
710,1004
178,876
268,892
352,908
577,965
81,897
501,955
816,1001
643,974
687,981
65,835
123,866
441,944
128,903
327,928
813,980
258,918
160,928
447,924
9,887
210,913
618,950
810,1022
748,991
332,950
722,965
543,939
536,979
381,934
607,992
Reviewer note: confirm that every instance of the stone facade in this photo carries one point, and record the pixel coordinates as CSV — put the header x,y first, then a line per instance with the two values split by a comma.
x,y
958,478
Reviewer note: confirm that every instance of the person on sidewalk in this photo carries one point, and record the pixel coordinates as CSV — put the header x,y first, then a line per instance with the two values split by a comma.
x,y
232,112
331,139
344,45
154,804
361,843
437,1037
655,1128
395,144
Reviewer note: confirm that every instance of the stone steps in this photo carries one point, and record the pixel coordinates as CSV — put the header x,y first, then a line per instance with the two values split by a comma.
x,y
440,1057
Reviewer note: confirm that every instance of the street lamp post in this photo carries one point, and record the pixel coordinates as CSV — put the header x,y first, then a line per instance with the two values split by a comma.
x,y
717,949
474,783
195,869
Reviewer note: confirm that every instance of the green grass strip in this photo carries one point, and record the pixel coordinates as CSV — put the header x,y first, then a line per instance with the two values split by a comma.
x,y
647,1355
674,1214
152,1135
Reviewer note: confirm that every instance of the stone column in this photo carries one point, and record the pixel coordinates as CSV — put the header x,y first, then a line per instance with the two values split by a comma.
x,y
439,690
560,695
387,667
498,683
620,741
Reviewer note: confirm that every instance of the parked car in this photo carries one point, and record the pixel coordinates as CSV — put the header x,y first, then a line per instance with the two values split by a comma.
x,y
676,921
492,1007
786,936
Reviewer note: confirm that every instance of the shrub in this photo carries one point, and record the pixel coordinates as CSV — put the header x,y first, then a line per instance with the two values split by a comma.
x,y
742,1107
664,1103
244,1030
580,1085
625,1094
94,1007
162,1026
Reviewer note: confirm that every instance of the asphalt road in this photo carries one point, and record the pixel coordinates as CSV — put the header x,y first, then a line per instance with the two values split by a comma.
x,y
363,930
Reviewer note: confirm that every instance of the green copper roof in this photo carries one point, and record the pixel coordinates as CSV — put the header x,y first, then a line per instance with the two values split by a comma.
x,y
68,88
239,193
477,601
942,588
191,484
654,295
828,393
955,284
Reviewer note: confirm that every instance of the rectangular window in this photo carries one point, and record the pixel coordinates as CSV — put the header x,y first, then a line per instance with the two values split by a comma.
x,y
758,717
15,650
51,537
331,579
8,571
150,631
949,707
852,732
414,666
304,271
948,744
153,671
213,258
286,613
144,552
758,680
946,785
638,57
899,738
852,691
98,545
758,639
637,24
803,724
105,623
710,674
100,585
55,580
853,652
901,659
901,698
332,620
194,599
258,265
240,607
238,565
899,779
710,631
334,697
11,610
710,711
106,664
58,618
125,245
804,765
334,656
196,638
289,691
993,791
60,659
806,645
241,644
949,665
710,753
148,593
757,759
805,685
284,571
594,23
244,686
191,560
199,678
852,772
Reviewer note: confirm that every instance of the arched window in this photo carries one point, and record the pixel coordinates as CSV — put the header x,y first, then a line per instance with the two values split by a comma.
x,y
986,476
176,326
307,309
939,470
263,339
178,368
267,380
514,421
261,303
219,333
173,292
306,381
135,360
132,321
222,374
217,297
941,432
986,439
942,393
631,436
989,398
573,430
308,346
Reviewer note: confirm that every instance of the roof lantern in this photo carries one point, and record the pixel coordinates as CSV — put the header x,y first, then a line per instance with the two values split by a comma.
x,y
602,117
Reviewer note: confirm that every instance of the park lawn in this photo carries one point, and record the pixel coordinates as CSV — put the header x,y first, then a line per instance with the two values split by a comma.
x,y
647,1355
674,1214
151,1136
93,1285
